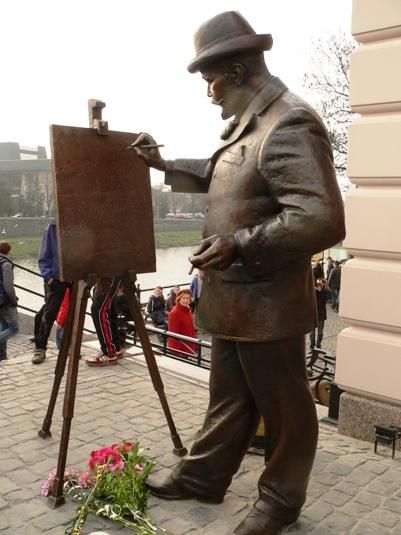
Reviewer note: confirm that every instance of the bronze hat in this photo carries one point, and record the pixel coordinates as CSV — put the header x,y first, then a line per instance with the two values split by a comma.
x,y
224,35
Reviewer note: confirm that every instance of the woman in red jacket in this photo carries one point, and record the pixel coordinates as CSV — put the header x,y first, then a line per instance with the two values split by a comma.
x,y
180,321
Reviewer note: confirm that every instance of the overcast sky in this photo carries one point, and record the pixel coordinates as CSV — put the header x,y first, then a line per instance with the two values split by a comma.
x,y
56,54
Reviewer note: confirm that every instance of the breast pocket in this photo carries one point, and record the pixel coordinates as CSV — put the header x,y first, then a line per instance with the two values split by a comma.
x,y
234,155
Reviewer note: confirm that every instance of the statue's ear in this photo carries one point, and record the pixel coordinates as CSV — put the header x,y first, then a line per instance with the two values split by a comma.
x,y
236,73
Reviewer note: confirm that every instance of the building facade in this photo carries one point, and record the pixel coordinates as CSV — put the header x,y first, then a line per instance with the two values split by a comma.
x,y
25,181
369,351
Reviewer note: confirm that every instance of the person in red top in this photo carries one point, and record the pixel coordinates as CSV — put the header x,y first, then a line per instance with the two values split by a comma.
x,y
61,317
180,321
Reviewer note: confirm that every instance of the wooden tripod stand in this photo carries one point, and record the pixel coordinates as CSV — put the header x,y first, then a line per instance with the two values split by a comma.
x,y
70,347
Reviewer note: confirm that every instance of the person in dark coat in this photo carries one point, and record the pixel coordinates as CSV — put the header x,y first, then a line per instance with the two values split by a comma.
x,y
8,300
317,270
273,202
322,294
330,265
334,283
171,300
156,308
54,291
181,321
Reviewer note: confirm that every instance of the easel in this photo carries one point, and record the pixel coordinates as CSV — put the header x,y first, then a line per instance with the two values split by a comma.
x,y
71,346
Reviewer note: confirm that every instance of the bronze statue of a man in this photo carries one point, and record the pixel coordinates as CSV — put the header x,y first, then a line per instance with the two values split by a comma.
x,y
273,201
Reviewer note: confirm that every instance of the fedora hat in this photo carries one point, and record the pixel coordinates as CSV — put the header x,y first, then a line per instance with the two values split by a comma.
x,y
224,35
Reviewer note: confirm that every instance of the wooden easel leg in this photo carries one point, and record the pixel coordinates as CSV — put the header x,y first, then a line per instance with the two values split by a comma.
x,y
128,281
81,298
59,370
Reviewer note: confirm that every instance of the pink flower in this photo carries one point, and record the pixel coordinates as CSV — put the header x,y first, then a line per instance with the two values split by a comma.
x,y
138,468
113,467
69,473
107,455
85,480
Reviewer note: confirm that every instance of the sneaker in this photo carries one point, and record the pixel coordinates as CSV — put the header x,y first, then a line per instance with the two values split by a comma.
x,y
102,360
39,356
119,354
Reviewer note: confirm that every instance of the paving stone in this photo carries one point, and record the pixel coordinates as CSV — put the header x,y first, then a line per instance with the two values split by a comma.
x,y
23,513
302,526
8,465
347,488
219,526
367,528
335,498
179,526
360,477
393,504
383,517
7,485
318,511
382,488
325,478
355,509
3,524
325,530
315,489
23,495
352,491
340,523
340,468
367,498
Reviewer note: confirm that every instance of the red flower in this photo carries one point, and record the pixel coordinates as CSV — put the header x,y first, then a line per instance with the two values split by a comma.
x,y
108,456
127,446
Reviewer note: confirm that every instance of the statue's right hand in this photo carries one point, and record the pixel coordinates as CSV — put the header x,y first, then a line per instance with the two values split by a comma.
x,y
151,156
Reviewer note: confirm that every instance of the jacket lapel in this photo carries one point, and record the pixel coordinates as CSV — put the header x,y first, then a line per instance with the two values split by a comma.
x,y
273,88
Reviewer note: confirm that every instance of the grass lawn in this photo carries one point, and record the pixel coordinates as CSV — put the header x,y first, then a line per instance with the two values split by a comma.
x,y
29,247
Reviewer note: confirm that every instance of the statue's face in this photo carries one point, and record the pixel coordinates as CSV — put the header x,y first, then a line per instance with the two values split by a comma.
x,y
221,90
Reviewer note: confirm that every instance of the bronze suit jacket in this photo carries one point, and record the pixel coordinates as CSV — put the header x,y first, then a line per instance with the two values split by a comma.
x,y
272,184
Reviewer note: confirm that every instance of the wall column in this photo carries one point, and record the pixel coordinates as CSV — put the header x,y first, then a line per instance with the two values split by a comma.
x,y
369,351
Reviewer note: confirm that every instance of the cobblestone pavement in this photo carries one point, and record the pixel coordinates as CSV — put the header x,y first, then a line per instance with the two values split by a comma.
x,y
352,490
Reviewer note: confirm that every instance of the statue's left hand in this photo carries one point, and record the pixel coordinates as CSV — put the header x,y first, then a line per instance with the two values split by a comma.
x,y
216,252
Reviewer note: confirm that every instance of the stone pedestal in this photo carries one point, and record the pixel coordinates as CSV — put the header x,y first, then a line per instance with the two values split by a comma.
x,y
359,414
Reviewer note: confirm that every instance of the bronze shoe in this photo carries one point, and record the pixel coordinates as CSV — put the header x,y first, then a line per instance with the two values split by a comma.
x,y
262,522
170,489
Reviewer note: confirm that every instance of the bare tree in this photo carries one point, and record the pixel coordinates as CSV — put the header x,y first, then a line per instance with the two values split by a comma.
x,y
47,191
328,84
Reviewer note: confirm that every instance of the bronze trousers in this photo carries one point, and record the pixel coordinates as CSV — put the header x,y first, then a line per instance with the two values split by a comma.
x,y
249,379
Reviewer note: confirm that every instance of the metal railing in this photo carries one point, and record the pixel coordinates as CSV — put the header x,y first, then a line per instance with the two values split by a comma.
x,y
28,290
321,367
158,337
159,341
38,294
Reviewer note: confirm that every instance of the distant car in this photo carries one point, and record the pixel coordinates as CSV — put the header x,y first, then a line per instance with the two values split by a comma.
x,y
19,214
182,216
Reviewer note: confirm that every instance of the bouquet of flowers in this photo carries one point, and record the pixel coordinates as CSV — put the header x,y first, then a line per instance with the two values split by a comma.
x,y
113,487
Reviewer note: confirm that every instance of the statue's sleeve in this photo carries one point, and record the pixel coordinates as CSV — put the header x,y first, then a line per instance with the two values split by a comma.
x,y
295,159
188,176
